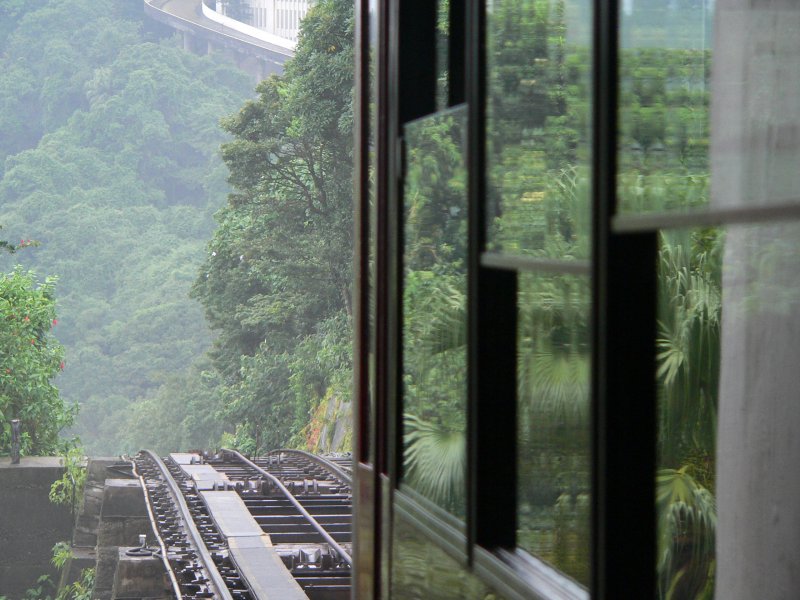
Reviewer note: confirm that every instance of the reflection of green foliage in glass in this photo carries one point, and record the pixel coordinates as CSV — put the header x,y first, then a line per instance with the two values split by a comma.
x,y
553,373
664,129
434,309
537,126
664,132
435,459
423,571
690,304
538,122
686,524
434,196
554,345
538,115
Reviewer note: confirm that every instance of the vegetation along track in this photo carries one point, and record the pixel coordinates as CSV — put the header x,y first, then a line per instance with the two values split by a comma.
x,y
302,502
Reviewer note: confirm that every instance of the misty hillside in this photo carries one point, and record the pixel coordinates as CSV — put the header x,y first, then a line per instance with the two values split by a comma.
x,y
109,158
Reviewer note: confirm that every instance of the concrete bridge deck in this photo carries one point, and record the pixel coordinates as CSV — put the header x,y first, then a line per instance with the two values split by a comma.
x,y
186,16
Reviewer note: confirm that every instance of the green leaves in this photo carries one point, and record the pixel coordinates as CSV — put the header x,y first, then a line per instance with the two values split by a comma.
x,y
276,281
30,357
69,489
113,162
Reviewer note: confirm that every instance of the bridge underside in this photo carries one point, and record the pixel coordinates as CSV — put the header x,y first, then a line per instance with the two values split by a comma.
x,y
203,36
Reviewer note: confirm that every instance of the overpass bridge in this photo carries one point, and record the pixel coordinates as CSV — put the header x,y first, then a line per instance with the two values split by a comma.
x,y
204,31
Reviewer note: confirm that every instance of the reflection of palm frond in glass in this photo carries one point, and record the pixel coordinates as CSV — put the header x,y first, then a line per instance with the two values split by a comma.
x,y
557,383
687,521
434,308
445,323
435,461
422,570
688,355
688,349
553,349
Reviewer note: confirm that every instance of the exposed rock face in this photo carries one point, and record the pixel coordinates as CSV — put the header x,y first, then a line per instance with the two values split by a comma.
x,y
331,428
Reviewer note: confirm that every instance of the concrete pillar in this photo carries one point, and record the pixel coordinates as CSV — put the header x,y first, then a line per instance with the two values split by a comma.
x,y
123,518
139,577
755,153
84,535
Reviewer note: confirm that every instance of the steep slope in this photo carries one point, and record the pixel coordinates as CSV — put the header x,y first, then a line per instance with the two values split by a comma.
x,y
110,144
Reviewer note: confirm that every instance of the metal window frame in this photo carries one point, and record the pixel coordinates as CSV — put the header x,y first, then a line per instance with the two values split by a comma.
x,y
623,329
623,357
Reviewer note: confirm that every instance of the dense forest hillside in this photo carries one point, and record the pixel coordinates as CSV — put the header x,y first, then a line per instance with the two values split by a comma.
x,y
109,158
276,283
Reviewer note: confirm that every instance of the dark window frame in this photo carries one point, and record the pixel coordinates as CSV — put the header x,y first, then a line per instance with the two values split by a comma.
x,y
487,545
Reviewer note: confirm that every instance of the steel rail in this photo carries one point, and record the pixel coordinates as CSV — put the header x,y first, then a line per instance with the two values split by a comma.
x,y
324,463
215,579
176,587
312,521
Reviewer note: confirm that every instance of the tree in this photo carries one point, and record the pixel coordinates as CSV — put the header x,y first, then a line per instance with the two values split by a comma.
x,y
30,357
276,282
109,153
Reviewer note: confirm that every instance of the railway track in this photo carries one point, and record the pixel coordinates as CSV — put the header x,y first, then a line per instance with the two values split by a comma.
x,y
278,526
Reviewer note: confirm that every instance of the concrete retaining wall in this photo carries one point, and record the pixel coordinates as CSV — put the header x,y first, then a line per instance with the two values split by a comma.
x,y
29,523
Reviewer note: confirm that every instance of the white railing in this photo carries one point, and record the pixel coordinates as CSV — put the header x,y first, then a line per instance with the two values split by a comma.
x,y
254,32
287,15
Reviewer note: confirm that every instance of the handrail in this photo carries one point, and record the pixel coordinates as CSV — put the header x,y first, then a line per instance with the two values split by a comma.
x,y
215,579
274,48
319,528
245,29
331,466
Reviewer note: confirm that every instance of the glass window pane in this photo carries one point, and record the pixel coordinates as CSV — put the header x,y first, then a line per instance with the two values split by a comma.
x,y
728,350
688,354
665,65
554,426
371,85
538,118
423,571
755,137
442,52
434,308
679,118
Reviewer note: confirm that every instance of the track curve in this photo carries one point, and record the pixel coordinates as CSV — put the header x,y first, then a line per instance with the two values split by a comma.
x,y
241,529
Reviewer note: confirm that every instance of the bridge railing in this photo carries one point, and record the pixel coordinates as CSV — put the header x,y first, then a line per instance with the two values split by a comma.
x,y
245,29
